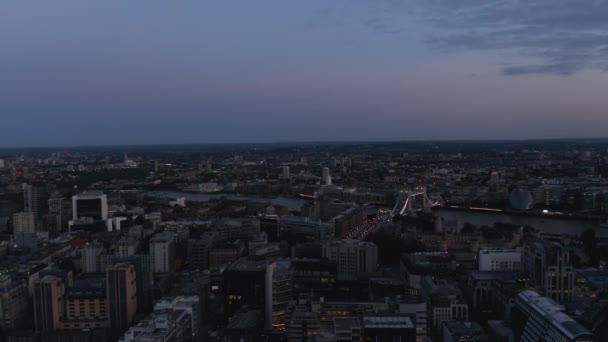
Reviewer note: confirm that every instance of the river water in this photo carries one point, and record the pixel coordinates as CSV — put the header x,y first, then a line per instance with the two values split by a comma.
x,y
292,203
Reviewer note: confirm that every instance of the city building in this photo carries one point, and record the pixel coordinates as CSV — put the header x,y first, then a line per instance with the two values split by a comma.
x,y
500,259
463,331
121,284
285,174
445,302
304,229
89,257
172,320
34,198
92,205
549,268
388,328
352,257
49,303
13,303
278,288
24,222
538,318
162,253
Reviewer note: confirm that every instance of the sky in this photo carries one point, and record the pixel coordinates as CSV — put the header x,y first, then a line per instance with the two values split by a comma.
x,y
113,72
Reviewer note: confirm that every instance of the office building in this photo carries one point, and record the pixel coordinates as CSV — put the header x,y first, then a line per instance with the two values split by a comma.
x,y
86,304
126,247
34,198
49,303
173,319
325,177
244,284
162,253
352,257
13,303
463,331
89,257
285,174
549,268
500,259
303,229
445,302
24,222
388,328
198,250
92,205
278,288
121,284
538,318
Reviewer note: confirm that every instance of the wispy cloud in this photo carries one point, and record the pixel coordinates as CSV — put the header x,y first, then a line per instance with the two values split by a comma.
x,y
561,37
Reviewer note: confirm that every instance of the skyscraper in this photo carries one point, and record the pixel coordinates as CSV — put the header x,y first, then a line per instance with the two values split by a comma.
x,y
121,295
34,198
285,174
48,303
89,256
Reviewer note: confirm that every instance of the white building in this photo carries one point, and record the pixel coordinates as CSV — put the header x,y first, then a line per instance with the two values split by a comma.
x,y
325,177
92,204
500,259
162,253
352,257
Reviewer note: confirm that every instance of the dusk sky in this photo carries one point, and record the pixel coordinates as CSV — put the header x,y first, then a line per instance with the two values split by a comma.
x,y
152,72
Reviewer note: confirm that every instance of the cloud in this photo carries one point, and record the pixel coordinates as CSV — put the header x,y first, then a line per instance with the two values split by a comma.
x,y
558,37
562,37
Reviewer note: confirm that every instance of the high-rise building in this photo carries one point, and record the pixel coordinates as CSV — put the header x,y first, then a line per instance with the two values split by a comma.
x,y
285,174
352,257
550,270
89,257
500,259
34,198
93,205
121,284
162,253
278,287
325,177
49,302
126,247
13,303
86,304
538,318
24,222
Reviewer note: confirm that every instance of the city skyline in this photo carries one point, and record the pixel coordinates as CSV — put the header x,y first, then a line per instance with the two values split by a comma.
x,y
113,73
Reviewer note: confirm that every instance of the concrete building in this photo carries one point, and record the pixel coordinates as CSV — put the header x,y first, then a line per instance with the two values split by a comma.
x,y
24,222
162,253
49,303
126,247
278,293
34,198
13,303
90,204
325,177
198,250
549,268
463,331
86,304
89,257
303,229
538,318
285,174
121,283
500,259
389,328
173,319
352,257
445,302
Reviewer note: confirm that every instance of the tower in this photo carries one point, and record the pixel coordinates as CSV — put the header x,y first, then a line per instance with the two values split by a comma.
x,y
121,295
